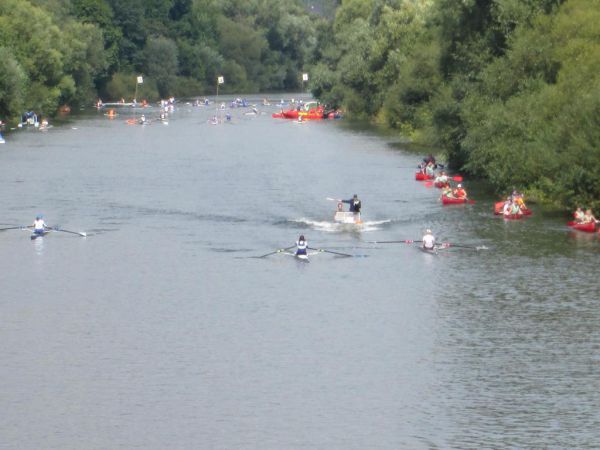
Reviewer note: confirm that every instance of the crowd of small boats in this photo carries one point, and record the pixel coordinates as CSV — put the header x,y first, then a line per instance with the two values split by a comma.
x,y
511,208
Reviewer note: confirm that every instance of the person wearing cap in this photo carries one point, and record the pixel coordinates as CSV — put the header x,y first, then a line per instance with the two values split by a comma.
x,y
354,203
39,226
428,240
301,246
459,192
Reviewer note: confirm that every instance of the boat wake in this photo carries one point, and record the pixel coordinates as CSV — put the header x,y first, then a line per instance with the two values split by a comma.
x,y
336,227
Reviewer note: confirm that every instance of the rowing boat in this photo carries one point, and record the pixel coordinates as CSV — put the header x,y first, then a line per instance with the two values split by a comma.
x,y
35,235
420,176
589,227
347,217
455,201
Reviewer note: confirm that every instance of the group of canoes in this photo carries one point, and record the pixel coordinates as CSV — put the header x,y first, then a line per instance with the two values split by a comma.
x,y
512,208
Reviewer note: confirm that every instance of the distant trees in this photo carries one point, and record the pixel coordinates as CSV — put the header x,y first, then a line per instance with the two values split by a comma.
x,y
70,51
504,86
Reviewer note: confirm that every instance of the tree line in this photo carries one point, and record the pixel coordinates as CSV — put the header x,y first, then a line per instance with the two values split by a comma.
x,y
68,52
509,88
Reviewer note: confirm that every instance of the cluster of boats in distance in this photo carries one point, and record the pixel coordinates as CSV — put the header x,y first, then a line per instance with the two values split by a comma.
x,y
512,208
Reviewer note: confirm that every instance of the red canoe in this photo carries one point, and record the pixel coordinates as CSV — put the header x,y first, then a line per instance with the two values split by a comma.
x,y
587,227
455,201
310,111
420,176
512,216
499,206
440,185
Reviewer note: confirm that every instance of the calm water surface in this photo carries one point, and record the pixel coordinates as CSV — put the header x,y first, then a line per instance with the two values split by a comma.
x,y
158,331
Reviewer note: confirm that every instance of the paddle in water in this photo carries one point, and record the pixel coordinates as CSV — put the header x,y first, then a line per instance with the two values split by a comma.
x,y
322,250
80,233
22,227
279,250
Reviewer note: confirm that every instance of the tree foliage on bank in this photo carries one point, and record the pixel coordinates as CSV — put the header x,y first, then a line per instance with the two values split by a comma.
x,y
509,88
58,52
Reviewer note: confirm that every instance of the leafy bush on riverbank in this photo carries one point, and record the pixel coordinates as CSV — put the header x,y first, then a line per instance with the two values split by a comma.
x,y
507,87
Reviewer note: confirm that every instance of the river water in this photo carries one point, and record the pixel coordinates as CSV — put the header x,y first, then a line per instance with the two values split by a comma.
x,y
160,331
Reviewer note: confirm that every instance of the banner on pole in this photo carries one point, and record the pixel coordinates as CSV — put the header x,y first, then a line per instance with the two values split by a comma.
x,y
304,77
221,80
140,80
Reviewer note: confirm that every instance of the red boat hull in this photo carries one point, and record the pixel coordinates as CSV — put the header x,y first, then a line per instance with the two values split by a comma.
x,y
420,176
512,216
311,114
587,227
455,201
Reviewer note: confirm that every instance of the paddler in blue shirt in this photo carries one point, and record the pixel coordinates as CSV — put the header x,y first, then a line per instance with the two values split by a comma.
x,y
301,246
354,203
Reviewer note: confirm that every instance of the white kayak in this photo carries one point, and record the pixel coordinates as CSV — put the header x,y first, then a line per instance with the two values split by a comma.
x,y
347,217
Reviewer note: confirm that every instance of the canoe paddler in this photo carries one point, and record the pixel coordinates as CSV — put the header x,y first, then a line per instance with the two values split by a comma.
x,y
301,246
588,217
428,240
513,209
459,192
441,179
430,169
354,203
579,215
447,191
39,226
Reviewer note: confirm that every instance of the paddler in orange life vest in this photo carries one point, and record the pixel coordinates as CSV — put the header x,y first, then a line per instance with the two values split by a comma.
x,y
459,192
354,203
301,246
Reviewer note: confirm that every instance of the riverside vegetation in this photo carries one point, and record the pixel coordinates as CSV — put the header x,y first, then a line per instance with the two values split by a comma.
x,y
508,88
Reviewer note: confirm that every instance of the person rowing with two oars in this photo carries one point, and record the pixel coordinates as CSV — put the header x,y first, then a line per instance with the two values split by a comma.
x,y
39,226
301,246
428,241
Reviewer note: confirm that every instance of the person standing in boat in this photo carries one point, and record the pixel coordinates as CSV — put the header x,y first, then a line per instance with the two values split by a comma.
x,y
301,246
354,203
428,240
39,226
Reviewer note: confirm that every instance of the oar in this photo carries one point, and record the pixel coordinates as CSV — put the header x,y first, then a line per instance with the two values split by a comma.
x,y
473,247
80,233
328,251
279,250
333,199
406,241
22,227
